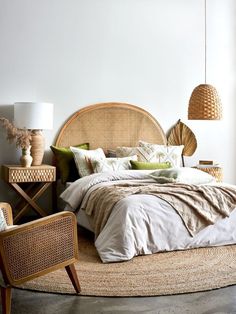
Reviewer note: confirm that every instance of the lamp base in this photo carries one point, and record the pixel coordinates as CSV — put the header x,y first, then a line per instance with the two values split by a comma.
x,y
37,147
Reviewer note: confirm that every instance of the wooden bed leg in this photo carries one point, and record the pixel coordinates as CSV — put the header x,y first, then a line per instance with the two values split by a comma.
x,y
70,269
6,300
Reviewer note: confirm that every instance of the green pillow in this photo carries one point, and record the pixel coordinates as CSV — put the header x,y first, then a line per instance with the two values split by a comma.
x,y
140,165
66,163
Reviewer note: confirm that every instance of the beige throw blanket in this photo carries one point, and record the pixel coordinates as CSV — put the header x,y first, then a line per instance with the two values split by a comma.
x,y
198,206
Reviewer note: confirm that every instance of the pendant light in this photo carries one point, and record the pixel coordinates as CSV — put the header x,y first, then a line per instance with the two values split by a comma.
x,y
204,103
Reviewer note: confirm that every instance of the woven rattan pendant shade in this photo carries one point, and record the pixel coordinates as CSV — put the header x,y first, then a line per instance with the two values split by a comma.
x,y
204,104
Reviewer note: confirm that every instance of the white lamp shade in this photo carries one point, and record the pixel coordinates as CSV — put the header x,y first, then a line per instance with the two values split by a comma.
x,y
33,115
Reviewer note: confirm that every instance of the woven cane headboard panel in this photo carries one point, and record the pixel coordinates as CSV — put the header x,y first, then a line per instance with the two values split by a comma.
x,y
109,125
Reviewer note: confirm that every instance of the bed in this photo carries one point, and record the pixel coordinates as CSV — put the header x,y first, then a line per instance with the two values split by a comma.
x,y
141,222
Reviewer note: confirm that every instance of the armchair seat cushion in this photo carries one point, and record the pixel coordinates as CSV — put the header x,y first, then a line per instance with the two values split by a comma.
x,y
3,223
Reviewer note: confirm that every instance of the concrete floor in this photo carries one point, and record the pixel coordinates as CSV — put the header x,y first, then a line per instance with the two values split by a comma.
x,y
211,302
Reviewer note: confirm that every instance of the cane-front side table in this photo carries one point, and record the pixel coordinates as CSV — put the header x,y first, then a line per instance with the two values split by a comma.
x,y
213,170
30,183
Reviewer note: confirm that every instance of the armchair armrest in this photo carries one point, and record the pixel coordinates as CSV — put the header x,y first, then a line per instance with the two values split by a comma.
x,y
35,248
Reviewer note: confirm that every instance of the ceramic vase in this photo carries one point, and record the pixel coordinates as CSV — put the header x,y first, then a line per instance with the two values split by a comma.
x,y
26,159
37,147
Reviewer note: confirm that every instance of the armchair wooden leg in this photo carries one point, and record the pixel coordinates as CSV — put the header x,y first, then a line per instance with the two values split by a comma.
x,y
6,300
70,269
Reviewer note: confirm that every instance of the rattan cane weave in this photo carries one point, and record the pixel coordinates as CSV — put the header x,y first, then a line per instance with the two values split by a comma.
x,y
216,172
204,104
108,125
43,173
37,256
36,248
30,249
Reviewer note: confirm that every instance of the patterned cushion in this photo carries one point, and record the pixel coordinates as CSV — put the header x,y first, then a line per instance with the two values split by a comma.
x,y
122,151
3,223
112,164
160,153
81,156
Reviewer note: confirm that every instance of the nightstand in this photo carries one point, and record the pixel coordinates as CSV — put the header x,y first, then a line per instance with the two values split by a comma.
x,y
30,183
215,171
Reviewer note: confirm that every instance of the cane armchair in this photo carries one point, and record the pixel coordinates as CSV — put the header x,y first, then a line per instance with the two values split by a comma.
x,y
36,248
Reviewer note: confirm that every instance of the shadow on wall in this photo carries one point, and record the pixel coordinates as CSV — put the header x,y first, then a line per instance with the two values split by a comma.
x,y
9,153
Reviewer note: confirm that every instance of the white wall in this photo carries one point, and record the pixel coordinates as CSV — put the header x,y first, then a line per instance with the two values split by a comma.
x,y
146,52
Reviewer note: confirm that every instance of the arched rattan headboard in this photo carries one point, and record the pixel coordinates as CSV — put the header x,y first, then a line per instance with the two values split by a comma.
x,y
109,125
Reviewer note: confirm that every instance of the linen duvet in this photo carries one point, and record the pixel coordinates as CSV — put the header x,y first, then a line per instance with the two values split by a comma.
x,y
143,222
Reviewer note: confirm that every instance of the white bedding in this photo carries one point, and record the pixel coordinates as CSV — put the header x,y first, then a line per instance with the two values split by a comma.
x,y
143,224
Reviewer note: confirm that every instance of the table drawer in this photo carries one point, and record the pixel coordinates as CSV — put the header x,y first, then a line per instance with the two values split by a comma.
x,y
32,174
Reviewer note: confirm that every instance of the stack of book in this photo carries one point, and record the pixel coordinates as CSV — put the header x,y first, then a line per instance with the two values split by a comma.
x,y
207,164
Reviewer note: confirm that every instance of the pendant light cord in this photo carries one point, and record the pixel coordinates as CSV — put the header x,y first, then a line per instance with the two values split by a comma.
x,y
205,36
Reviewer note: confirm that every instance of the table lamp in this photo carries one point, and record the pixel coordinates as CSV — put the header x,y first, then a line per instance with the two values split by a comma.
x,y
34,116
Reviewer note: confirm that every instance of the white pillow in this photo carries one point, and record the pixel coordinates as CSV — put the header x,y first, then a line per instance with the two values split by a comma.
x,y
112,164
3,223
81,157
160,153
182,175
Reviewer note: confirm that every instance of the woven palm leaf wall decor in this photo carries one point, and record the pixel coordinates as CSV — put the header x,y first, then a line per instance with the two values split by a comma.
x,y
181,134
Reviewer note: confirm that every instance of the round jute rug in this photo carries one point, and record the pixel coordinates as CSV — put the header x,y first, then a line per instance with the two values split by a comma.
x,y
150,275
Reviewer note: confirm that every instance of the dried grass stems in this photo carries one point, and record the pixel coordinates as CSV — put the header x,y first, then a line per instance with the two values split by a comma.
x,y
21,137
